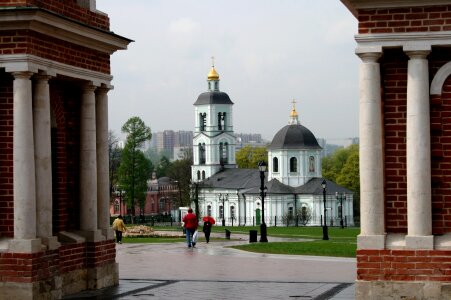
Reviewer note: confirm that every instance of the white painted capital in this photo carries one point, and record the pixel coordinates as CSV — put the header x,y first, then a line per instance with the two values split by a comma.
x,y
369,57
419,54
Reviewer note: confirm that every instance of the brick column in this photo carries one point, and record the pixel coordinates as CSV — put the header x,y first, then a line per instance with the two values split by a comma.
x,y
103,182
419,215
88,165
24,168
43,160
372,235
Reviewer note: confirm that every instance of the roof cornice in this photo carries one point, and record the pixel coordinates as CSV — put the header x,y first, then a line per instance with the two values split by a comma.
x,y
355,5
60,27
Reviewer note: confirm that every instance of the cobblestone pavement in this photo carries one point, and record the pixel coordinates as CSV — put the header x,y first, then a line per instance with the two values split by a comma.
x,y
213,271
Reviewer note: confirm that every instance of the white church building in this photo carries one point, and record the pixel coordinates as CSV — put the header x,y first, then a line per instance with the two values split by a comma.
x,y
293,179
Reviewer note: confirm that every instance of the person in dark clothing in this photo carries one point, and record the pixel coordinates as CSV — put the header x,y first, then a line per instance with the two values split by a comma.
x,y
207,230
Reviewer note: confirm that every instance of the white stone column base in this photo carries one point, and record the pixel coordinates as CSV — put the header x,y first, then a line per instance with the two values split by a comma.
x,y
51,242
374,242
420,242
25,246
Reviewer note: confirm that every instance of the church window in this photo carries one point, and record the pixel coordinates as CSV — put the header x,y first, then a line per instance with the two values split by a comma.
x,y
275,164
311,164
209,210
232,212
198,175
209,85
223,153
293,164
221,121
203,175
202,121
290,212
216,85
201,154
161,204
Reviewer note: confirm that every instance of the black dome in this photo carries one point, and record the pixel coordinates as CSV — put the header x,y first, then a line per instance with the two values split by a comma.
x,y
213,98
294,137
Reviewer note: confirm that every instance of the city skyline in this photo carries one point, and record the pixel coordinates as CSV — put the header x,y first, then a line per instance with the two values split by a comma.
x,y
300,50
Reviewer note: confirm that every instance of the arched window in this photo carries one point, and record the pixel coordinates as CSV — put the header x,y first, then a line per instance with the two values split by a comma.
x,y
203,175
293,165
222,121
202,121
223,153
116,206
198,175
232,212
311,164
201,153
275,164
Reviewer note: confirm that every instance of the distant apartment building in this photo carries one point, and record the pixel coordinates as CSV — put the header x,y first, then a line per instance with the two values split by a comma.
x,y
171,142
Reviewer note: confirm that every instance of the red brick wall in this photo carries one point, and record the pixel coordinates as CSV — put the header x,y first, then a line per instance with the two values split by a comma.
x,y
66,140
6,156
441,148
33,267
30,42
404,265
415,19
67,8
394,87
100,254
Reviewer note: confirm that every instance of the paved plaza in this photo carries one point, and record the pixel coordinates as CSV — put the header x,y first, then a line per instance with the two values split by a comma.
x,y
214,271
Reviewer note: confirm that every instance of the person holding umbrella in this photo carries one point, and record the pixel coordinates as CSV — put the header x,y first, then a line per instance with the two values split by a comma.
x,y
208,222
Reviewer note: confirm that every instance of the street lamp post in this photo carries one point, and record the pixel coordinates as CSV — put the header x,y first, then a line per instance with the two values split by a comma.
x,y
223,198
325,234
262,169
341,197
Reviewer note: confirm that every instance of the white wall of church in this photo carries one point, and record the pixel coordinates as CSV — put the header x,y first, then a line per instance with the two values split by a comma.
x,y
305,169
275,206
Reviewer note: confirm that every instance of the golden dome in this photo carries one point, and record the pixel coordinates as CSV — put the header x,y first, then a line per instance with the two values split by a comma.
x,y
213,75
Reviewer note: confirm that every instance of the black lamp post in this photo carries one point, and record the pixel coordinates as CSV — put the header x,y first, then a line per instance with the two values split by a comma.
x,y
223,198
325,234
262,169
341,197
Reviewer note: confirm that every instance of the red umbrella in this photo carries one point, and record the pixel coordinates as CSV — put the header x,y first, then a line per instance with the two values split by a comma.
x,y
209,219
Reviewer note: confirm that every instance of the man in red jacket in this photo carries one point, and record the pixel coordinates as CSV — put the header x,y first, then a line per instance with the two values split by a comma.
x,y
190,224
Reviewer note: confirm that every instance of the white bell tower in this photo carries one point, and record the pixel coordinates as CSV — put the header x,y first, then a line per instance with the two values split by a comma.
x,y
213,142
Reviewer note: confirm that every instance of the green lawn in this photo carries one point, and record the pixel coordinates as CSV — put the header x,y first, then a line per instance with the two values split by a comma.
x,y
341,243
316,248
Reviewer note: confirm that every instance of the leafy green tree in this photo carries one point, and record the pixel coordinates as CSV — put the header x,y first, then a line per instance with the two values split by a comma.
x,y
248,157
114,160
135,167
163,167
342,167
180,172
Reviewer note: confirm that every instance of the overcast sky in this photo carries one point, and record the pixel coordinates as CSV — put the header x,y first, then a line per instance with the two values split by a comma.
x,y
267,53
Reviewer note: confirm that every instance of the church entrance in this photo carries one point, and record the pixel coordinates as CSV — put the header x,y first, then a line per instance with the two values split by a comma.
x,y
257,216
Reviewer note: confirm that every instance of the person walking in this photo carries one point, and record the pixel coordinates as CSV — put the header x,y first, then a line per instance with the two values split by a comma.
x,y
190,224
207,230
119,228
